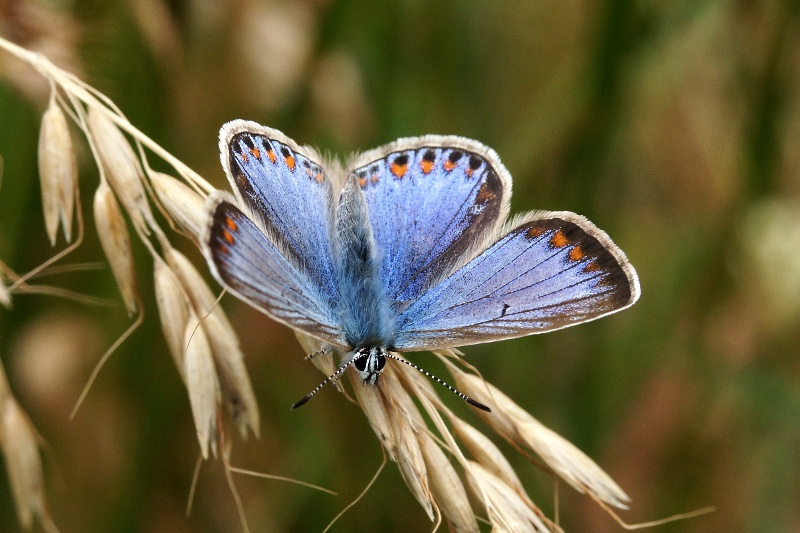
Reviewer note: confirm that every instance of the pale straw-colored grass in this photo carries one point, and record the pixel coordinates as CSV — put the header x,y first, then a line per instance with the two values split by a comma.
x,y
456,472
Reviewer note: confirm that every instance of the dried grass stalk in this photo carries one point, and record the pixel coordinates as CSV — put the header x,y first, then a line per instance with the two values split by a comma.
x,y
229,360
185,206
122,168
18,440
446,487
116,244
5,295
507,509
516,425
173,311
237,391
411,462
58,172
202,383
371,401
484,451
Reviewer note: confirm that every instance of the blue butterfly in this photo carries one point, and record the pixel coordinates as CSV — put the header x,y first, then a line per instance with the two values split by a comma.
x,y
408,250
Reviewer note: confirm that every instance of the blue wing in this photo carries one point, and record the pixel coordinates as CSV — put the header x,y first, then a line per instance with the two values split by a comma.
x,y
430,200
551,271
287,194
254,268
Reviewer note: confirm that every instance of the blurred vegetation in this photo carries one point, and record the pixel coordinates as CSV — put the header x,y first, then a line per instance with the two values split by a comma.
x,y
674,126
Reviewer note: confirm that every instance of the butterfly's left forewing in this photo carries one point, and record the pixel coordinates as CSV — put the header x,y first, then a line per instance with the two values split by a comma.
x,y
550,271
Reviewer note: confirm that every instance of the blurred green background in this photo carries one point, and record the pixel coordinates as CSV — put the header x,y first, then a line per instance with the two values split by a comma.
x,y
674,126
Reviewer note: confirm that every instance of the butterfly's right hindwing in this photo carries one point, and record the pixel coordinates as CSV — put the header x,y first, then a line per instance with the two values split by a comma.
x,y
256,270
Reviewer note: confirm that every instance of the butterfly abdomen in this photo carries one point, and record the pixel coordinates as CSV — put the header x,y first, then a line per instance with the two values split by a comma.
x,y
365,317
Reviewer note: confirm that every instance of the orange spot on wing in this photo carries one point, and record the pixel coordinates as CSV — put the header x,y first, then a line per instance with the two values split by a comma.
x,y
534,232
289,162
485,194
256,153
231,224
559,239
576,254
591,267
271,155
362,182
375,178
224,249
227,236
399,170
319,177
449,165
243,157
426,166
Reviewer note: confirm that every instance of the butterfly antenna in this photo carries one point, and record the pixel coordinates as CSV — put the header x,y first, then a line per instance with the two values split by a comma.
x,y
332,377
450,388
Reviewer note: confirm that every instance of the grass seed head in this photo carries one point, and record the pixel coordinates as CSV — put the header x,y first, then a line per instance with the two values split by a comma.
x,y
447,488
122,168
506,508
185,206
58,172
173,311
116,244
237,391
202,383
23,464
484,451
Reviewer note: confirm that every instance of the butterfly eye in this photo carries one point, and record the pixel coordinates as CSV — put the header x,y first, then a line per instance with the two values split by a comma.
x,y
361,363
381,362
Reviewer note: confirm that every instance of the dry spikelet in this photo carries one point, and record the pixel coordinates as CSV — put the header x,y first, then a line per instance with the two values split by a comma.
x,y
371,402
116,244
404,417
173,311
574,466
506,508
122,168
5,295
447,488
484,451
228,357
202,383
58,171
185,206
517,425
196,287
23,465
237,391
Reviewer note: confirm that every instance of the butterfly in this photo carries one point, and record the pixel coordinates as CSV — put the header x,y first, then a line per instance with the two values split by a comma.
x,y
408,250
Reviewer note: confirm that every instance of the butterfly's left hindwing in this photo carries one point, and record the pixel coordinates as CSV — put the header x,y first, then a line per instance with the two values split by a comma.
x,y
549,272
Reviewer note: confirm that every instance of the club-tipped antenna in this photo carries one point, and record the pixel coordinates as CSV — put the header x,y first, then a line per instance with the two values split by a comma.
x,y
332,377
440,382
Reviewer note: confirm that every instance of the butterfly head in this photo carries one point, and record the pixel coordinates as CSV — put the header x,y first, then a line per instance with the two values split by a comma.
x,y
370,362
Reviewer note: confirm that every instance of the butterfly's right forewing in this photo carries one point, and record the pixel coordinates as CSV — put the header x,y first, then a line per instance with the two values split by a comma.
x,y
257,271
287,194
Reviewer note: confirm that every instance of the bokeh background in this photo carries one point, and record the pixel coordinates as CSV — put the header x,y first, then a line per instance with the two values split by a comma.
x,y
674,126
